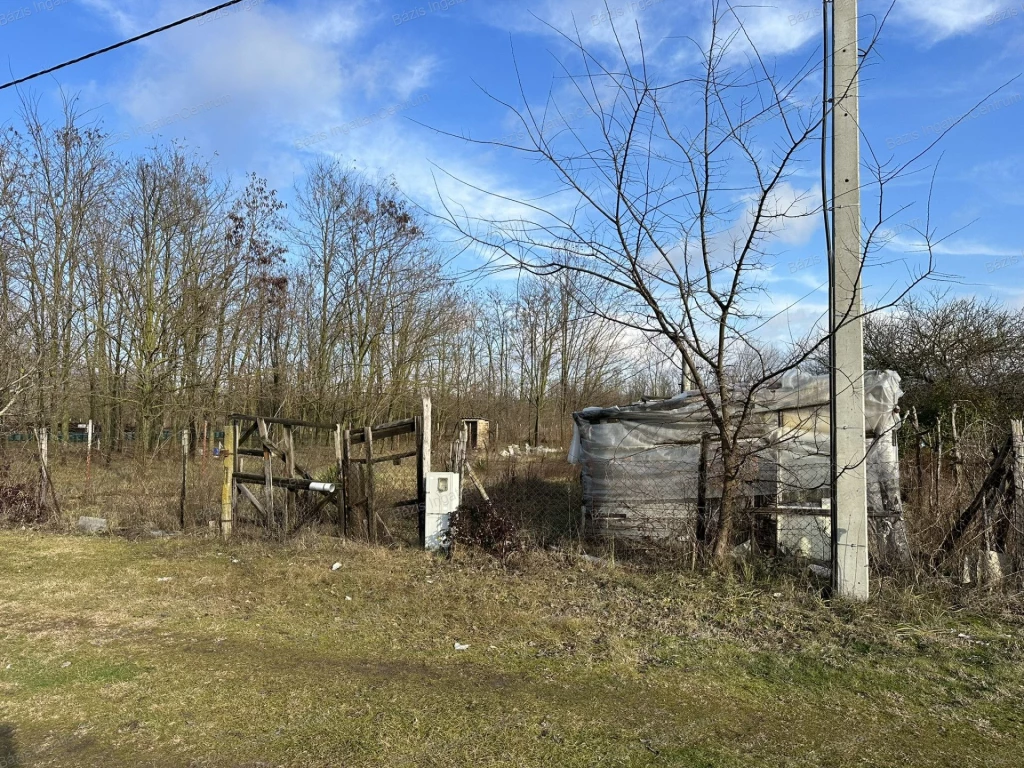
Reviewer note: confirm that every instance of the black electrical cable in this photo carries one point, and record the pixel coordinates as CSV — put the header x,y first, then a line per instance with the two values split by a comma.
x,y
123,43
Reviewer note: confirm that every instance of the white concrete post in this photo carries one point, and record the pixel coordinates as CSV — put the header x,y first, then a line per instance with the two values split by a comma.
x,y
849,500
88,461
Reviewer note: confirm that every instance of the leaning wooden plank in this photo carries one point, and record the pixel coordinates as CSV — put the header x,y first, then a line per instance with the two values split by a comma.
x,y
993,481
477,483
252,499
371,516
249,432
312,516
282,453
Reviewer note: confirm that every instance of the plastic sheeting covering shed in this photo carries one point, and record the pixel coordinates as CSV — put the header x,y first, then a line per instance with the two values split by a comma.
x,y
641,464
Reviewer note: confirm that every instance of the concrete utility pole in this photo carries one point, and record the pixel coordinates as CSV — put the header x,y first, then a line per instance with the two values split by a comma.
x,y
849,492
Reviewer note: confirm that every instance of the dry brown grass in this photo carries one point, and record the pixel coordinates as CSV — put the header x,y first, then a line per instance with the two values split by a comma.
x,y
253,654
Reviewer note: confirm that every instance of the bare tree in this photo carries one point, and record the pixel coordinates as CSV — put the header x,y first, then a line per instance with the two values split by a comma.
x,y
16,372
169,232
675,195
58,176
17,366
952,350
374,290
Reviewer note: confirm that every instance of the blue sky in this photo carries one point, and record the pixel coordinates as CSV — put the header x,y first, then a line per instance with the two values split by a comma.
x,y
270,84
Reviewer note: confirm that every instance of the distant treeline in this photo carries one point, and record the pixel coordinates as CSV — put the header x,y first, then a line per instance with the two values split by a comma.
x,y
153,293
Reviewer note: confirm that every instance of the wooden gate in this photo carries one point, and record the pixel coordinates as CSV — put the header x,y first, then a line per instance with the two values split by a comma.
x,y
354,492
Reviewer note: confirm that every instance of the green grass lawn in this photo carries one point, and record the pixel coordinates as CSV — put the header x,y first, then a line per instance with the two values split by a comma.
x,y
260,656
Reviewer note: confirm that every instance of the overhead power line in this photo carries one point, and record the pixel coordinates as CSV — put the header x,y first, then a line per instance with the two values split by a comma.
x,y
123,43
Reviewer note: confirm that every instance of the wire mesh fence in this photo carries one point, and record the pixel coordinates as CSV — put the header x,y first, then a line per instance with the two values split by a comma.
x,y
135,491
394,495
537,493
920,498
965,500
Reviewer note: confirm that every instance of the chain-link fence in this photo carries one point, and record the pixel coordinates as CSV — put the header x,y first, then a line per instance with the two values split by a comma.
x,y
136,492
668,496
536,493
965,506
386,490
953,511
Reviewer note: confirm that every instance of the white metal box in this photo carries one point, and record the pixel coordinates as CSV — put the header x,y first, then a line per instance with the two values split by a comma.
x,y
443,498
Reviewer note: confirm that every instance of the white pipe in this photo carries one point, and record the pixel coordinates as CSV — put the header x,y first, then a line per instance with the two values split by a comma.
x,y
322,487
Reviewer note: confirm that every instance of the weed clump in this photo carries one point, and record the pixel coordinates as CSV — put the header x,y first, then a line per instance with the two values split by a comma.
x,y
489,526
18,502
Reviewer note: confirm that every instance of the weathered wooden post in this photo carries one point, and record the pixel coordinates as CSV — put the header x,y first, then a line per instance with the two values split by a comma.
x,y
185,441
421,485
340,452
371,512
88,460
227,493
920,463
290,503
702,489
44,465
463,450
423,469
937,465
268,473
955,450
206,454
1016,543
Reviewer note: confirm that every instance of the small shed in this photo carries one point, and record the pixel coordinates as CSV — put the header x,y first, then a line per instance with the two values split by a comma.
x,y
478,432
652,470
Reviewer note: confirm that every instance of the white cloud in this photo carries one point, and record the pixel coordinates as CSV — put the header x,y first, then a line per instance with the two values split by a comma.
x,y
664,25
597,24
779,28
953,248
790,216
939,19
336,26
124,22
389,71
279,73
263,63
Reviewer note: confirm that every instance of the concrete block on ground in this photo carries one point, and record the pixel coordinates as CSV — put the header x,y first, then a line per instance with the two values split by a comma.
x,y
92,525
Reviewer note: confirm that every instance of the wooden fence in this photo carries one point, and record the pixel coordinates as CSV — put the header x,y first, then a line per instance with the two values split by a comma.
x,y
347,497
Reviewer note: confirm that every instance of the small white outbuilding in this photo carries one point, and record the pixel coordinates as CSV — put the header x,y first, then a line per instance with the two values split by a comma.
x,y
652,470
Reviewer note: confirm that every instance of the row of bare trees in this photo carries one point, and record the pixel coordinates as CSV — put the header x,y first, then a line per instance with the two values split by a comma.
x,y
151,293
680,192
